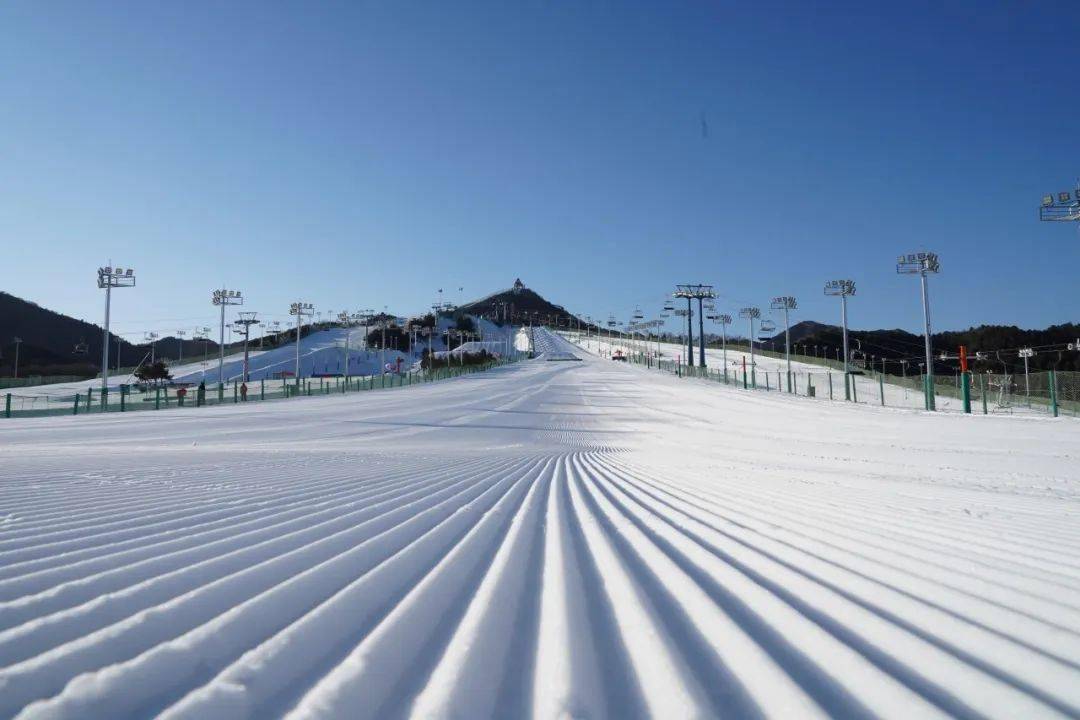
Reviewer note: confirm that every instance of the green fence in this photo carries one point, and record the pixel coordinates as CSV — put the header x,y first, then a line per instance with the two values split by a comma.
x,y
134,399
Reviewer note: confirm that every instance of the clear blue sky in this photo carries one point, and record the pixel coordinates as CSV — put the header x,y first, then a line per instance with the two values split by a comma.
x,y
360,154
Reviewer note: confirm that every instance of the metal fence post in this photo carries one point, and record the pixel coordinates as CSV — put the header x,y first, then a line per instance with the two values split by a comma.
x,y
7,406
220,392
1053,392
123,398
830,385
89,398
157,398
262,389
75,408
982,389
881,386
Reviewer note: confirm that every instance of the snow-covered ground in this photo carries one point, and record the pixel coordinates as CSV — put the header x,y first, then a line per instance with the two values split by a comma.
x,y
548,539
321,352
867,388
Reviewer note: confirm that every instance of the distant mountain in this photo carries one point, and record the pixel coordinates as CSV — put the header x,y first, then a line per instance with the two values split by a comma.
x,y
519,305
900,344
56,344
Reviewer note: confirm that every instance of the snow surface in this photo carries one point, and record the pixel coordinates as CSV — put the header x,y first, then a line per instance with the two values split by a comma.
x,y
321,352
867,389
548,539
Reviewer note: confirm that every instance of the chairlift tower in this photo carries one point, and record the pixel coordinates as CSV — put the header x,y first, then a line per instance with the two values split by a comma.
x,y
920,264
700,293
109,277
301,310
843,289
786,303
243,324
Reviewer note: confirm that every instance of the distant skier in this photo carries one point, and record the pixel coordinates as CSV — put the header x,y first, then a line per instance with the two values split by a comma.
x,y
243,392
200,394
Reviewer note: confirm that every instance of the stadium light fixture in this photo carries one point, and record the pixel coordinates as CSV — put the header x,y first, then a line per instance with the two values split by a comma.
x,y
723,319
1061,207
301,310
109,277
843,289
921,264
751,314
786,303
223,298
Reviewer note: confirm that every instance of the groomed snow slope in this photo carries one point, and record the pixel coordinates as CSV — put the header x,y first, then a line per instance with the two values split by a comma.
x,y
547,539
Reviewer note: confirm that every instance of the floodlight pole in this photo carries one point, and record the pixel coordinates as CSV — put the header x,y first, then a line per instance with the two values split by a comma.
x,y
921,264
108,278
222,298
843,320
750,313
843,288
724,320
105,344
786,303
930,402
300,310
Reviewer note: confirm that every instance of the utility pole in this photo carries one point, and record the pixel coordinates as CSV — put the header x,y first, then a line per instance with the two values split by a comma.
x,y
223,298
843,288
247,319
786,303
920,264
109,277
301,310
751,314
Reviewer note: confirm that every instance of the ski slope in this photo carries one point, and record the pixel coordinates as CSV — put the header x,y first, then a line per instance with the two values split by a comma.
x,y
866,387
548,539
321,352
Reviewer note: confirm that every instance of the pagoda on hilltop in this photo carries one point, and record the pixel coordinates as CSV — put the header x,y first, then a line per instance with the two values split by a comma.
x,y
518,286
